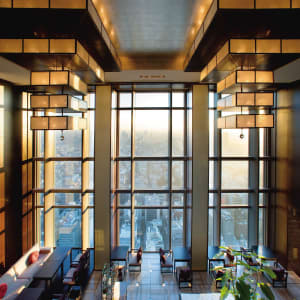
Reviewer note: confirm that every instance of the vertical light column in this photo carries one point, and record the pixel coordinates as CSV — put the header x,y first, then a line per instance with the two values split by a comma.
x,y
200,177
49,184
102,175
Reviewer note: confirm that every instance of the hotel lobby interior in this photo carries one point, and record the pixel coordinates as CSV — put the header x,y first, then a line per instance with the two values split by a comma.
x,y
148,149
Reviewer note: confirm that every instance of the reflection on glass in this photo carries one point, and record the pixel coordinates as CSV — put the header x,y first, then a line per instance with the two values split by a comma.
x,y
39,199
40,226
113,134
178,99
177,228
151,229
212,102
234,199
67,174
262,174
125,100
91,175
235,174
92,100
67,227
40,146
151,133
151,100
124,227
177,199
70,146
212,199
124,133
177,175
151,199
178,133
124,175
234,227
67,199
151,175
233,145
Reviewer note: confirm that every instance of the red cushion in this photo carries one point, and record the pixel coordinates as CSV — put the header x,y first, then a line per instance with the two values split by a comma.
x,y
3,289
163,259
33,257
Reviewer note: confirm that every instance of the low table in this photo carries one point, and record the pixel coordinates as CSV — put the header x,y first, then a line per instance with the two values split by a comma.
x,y
31,293
208,296
52,265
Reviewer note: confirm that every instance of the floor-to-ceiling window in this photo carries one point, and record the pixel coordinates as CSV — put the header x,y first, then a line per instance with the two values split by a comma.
x,y
239,183
64,183
149,166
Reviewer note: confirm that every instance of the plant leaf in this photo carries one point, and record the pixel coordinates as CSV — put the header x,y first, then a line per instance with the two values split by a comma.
x,y
269,271
244,289
267,291
224,292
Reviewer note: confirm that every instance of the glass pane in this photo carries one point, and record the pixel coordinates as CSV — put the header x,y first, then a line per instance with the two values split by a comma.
x,y
91,227
212,132
91,175
211,175
177,228
261,142
151,199
113,135
91,199
212,199
67,174
124,199
125,133
114,99
233,145
124,175
91,119
188,233
177,199
124,227
68,143
68,227
234,227
40,226
235,174
151,100
92,100
177,175
39,174
234,199
151,130
178,133
40,146
151,229
39,199
262,165
151,175
67,199
261,227
211,100
125,99
178,99
211,226
263,199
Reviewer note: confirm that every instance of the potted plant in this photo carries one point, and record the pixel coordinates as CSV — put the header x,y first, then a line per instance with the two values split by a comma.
x,y
246,285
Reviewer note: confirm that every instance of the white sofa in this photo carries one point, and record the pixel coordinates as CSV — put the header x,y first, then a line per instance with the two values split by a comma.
x,y
20,275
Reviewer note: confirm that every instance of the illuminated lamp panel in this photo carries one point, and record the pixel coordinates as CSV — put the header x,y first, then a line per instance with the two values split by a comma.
x,y
36,46
242,46
31,3
245,4
72,4
11,45
62,46
58,102
246,121
268,46
267,4
58,123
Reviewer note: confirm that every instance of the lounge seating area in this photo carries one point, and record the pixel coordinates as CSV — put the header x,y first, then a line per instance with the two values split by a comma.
x,y
33,274
166,260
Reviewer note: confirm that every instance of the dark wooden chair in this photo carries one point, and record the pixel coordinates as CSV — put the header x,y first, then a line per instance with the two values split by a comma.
x,y
184,275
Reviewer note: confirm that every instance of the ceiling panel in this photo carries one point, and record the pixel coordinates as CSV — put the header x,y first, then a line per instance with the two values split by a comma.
x,y
152,26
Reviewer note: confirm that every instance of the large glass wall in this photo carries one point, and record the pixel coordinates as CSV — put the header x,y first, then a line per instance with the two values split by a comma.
x,y
239,186
149,167
64,184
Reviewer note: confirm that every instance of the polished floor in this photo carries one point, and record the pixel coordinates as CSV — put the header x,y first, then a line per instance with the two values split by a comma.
x,y
150,283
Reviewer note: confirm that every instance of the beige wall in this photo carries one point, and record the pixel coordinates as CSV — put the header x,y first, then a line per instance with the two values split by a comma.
x,y
200,177
102,176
